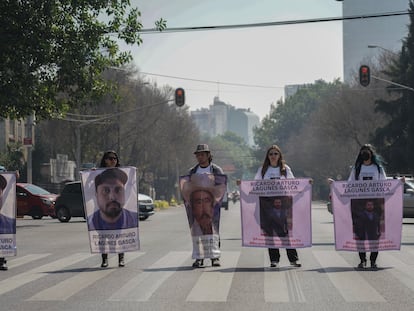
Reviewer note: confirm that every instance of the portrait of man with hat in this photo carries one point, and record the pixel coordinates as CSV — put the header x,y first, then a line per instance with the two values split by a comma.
x,y
203,206
110,198
203,195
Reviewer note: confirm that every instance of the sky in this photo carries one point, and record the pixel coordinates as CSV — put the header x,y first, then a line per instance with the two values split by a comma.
x,y
262,59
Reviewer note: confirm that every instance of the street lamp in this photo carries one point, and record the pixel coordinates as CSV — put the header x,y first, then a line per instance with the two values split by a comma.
x,y
372,46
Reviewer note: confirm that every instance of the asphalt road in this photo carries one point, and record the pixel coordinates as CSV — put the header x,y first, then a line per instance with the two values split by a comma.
x,y
54,270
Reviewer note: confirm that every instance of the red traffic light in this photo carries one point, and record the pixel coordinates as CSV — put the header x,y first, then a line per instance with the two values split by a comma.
x,y
179,97
364,75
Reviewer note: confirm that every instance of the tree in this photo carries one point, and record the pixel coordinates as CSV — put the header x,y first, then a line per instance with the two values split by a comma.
x,y
53,52
395,140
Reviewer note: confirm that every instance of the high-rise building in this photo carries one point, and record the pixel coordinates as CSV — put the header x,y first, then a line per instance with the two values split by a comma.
x,y
382,34
221,117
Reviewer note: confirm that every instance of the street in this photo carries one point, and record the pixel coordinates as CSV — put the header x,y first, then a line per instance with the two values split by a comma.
x,y
54,270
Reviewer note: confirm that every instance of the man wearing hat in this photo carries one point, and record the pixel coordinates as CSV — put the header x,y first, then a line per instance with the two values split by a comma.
x,y
7,224
205,166
110,196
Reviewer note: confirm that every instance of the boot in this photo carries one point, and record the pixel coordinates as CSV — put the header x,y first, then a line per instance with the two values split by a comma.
x,y
121,261
104,261
3,265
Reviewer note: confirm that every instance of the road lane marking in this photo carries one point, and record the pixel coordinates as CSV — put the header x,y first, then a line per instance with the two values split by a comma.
x,y
281,284
69,287
141,287
21,279
350,284
403,272
18,261
214,284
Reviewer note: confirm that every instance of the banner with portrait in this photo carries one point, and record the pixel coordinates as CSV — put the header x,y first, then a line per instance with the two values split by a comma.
x,y
367,214
203,194
8,214
276,213
111,209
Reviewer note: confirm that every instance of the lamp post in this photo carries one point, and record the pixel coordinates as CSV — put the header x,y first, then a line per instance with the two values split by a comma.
x,y
373,46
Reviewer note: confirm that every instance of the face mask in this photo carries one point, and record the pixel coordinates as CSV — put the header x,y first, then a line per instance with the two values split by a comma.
x,y
365,155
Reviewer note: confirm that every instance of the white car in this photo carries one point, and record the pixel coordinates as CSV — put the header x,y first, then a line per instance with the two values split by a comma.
x,y
145,206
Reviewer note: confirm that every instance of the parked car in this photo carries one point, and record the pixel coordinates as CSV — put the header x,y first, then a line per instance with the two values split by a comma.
x,y
70,203
146,206
34,201
408,199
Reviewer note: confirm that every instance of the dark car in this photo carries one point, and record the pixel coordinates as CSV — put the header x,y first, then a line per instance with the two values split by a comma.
x,y
70,203
34,201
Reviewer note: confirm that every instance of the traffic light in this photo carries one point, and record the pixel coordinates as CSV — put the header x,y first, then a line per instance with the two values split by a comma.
x,y
364,75
179,97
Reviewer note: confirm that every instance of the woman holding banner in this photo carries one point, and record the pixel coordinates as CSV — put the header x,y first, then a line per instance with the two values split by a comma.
x,y
368,166
274,167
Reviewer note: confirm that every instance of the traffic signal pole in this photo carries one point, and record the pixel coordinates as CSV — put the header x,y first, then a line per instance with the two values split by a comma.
x,y
393,83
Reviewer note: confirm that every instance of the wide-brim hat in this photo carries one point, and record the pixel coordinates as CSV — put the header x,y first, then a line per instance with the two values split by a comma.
x,y
202,148
205,182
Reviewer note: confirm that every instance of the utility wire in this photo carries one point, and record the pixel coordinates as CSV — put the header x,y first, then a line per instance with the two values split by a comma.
x,y
213,82
281,23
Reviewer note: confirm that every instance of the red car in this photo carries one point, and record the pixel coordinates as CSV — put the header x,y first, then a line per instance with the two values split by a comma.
x,y
34,201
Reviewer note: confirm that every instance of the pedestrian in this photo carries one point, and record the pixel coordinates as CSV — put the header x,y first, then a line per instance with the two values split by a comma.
x,y
274,167
368,166
110,159
205,165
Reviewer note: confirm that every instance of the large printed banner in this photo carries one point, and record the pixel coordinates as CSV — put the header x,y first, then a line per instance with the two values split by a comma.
x,y
276,213
111,209
203,194
367,214
8,214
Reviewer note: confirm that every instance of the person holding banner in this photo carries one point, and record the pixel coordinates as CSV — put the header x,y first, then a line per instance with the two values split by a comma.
x,y
7,224
205,165
110,159
368,166
274,167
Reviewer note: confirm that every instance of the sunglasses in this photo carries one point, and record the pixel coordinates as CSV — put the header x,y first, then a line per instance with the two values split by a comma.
x,y
112,158
274,153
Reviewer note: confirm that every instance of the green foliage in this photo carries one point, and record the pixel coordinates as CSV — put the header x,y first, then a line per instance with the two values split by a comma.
x,y
53,52
13,159
395,140
288,117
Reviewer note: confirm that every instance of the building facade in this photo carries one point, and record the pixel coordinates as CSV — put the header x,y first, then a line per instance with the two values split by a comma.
x,y
221,117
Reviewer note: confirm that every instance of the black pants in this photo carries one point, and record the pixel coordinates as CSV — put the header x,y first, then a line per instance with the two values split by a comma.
x,y
372,257
274,254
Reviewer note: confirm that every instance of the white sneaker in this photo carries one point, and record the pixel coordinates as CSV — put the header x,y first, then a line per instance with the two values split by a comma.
x,y
274,264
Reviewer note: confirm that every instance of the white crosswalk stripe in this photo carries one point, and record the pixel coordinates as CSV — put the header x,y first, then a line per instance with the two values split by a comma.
x,y
352,286
213,284
141,287
403,272
281,284
203,291
39,272
63,290
19,261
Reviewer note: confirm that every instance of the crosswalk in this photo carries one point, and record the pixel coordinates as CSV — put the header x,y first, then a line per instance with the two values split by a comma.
x,y
63,279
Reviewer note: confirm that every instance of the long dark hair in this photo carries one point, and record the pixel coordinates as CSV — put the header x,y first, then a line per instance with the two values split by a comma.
x,y
375,159
281,163
106,154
